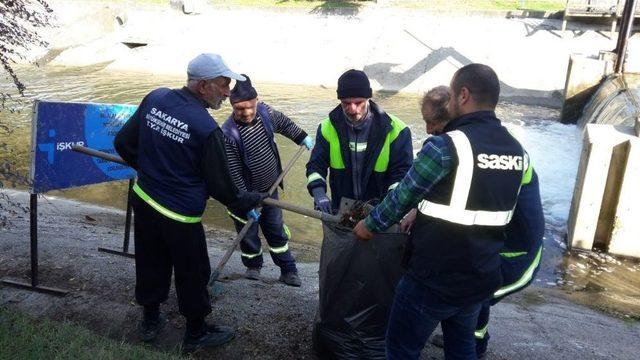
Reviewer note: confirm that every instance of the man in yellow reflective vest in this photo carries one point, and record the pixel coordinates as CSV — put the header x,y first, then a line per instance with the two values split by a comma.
x,y
367,150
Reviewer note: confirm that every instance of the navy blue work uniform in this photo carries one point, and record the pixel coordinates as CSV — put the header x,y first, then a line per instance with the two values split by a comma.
x,y
178,151
522,252
255,165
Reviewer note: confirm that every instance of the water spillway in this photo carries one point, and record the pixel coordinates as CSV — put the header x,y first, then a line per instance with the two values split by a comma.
x,y
615,102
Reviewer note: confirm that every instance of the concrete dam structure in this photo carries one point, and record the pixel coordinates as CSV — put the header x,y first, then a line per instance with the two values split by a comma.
x,y
606,203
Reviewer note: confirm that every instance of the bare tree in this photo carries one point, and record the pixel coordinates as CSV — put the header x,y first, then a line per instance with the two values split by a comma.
x,y
19,24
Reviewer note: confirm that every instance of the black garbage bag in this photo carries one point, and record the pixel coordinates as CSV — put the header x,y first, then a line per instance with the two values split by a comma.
x,y
357,283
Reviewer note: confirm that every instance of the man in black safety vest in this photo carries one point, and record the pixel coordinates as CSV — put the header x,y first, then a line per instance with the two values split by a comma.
x,y
465,183
522,253
178,151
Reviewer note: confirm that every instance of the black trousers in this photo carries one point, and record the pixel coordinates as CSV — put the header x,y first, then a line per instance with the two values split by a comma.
x,y
164,246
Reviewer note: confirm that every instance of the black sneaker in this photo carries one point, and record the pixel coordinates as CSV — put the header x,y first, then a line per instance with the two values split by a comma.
x,y
291,279
213,337
481,345
149,329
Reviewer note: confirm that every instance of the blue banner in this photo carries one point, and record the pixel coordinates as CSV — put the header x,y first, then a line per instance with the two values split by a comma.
x,y
57,126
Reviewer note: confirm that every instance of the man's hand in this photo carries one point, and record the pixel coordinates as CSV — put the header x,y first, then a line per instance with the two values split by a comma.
x,y
321,200
361,232
248,200
308,142
407,223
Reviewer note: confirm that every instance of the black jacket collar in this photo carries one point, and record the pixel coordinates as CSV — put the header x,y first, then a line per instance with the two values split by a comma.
x,y
478,117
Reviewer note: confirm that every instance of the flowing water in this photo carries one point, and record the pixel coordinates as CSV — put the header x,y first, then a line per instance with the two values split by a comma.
x,y
554,150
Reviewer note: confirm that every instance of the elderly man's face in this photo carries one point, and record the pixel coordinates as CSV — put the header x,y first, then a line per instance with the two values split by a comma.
x,y
245,111
355,108
434,126
215,91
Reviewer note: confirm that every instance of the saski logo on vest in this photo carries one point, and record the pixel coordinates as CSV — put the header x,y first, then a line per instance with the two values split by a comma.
x,y
500,162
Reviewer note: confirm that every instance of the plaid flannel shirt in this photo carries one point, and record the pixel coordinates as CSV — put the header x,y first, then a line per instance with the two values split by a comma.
x,y
432,165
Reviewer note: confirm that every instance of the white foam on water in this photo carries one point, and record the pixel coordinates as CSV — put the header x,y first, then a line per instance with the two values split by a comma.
x,y
554,149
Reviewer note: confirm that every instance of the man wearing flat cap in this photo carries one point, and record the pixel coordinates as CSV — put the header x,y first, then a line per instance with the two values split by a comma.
x,y
255,165
367,150
178,151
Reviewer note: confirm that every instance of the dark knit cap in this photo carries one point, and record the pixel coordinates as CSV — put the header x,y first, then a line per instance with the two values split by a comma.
x,y
242,91
354,84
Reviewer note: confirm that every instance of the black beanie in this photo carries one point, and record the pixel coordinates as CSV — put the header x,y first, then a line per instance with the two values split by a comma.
x,y
242,91
354,84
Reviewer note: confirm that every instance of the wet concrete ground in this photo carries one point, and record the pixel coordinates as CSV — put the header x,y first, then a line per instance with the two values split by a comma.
x,y
273,321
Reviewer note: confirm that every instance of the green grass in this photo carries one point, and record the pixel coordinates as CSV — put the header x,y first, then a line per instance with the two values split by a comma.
x,y
25,338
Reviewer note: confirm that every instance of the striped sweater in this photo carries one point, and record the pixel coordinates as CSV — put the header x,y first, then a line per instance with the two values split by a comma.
x,y
262,162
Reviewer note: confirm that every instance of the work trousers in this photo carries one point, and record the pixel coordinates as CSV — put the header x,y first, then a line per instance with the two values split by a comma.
x,y
273,229
416,312
518,273
164,246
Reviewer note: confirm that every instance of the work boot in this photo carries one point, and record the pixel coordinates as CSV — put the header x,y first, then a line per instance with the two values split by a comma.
x,y
252,273
291,279
213,336
150,328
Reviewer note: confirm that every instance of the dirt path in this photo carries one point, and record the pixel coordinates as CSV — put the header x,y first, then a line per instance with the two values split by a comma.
x,y
273,321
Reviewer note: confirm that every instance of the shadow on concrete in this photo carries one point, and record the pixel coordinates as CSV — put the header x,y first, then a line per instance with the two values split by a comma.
x,y
332,7
546,25
338,8
537,14
393,82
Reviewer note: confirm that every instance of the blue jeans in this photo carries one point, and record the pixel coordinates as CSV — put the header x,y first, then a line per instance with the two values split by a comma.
x,y
416,313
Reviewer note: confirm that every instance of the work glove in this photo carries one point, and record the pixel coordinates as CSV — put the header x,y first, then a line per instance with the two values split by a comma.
x,y
253,214
308,142
248,200
321,201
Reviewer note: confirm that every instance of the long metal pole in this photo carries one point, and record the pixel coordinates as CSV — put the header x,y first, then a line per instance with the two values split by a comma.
x,y
127,221
626,26
302,211
99,154
33,232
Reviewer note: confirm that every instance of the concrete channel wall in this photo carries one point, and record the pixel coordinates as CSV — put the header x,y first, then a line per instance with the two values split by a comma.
x,y
606,203
400,49
605,208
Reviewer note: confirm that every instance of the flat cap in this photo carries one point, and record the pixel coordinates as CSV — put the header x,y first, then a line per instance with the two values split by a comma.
x,y
210,66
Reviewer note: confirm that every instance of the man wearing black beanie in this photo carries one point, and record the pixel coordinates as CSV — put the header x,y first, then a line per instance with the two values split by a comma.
x,y
254,163
367,150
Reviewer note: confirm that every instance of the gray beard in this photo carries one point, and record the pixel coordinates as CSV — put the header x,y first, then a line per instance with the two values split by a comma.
x,y
356,123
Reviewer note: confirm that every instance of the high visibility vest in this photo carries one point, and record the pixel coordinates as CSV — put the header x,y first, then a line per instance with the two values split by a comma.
x,y
335,155
458,210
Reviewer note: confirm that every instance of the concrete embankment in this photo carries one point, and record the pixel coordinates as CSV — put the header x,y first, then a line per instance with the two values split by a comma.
x,y
401,50
273,321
